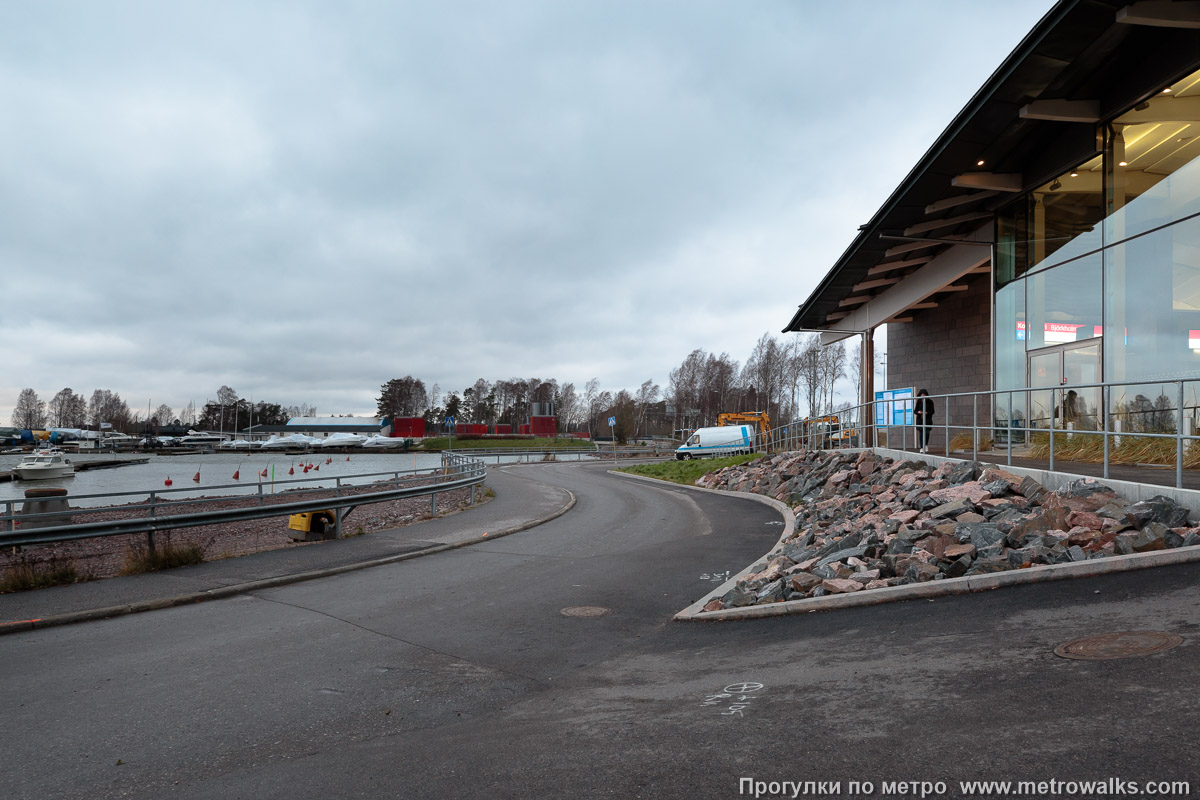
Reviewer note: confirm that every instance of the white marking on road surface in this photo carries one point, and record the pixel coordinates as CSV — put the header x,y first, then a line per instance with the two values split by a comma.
x,y
716,577
740,693
775,522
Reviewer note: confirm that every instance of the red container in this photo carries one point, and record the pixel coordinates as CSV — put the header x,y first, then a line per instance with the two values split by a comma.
x,y
543,426
503,428
408,427
524,429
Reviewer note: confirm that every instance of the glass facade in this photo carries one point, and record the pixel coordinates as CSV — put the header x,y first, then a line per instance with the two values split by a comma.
x,y
1098,271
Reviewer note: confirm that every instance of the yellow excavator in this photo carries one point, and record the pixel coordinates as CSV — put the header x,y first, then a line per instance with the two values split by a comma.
x,y
760,417
827,431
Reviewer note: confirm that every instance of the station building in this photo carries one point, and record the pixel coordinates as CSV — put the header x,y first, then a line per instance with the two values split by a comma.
x,y
1051,235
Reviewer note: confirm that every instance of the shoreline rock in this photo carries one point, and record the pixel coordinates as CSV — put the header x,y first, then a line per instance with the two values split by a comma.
x,y
864,522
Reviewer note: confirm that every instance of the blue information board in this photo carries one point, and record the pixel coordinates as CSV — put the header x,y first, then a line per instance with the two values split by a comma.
x,y
894,407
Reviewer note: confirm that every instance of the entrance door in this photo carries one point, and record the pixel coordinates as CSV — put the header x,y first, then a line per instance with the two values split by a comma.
x,y
1067,365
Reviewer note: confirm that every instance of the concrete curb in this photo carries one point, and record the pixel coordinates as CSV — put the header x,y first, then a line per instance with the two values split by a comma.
x,y
267,583
952,586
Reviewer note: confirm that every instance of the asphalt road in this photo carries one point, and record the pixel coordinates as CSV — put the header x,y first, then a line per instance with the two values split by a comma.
x,y
457,675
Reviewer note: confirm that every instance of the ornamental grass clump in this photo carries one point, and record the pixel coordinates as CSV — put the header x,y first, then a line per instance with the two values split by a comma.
x,y
1125,449
23,576
166,556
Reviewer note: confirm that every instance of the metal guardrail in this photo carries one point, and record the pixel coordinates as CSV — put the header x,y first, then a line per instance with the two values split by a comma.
x,y
457,472
1106,421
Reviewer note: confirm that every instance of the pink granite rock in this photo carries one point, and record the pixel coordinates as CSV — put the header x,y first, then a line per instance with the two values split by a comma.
x,y
958,551
972,491
714,605
840,585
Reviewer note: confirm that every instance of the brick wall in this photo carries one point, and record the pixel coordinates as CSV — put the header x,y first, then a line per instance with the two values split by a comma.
x,y
944,350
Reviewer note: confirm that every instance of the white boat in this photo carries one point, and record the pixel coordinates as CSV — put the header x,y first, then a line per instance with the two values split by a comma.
x,y
43,464
383,441
296,441
343,440
235,444
196,439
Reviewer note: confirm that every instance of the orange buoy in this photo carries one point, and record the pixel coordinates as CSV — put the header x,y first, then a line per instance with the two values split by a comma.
x,y
291,470
347,458
317,467
329,460
167,482
196,477
263,474
237,472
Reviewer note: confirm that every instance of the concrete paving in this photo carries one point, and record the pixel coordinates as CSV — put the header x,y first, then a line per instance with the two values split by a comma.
x,y
520,502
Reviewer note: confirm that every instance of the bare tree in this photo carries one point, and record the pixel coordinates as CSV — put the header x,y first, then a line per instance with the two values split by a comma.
x,y
66,410
107,408
647,396
832,367
590,392
809,372
162,415
30,411
568,405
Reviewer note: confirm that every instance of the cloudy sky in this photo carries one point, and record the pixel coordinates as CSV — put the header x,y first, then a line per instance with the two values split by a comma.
x,y
304,199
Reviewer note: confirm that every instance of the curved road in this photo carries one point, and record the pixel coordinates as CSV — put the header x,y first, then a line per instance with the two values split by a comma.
x,y
457,675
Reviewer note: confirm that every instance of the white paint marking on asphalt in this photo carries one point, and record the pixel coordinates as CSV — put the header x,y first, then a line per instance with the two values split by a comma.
x,y
740,693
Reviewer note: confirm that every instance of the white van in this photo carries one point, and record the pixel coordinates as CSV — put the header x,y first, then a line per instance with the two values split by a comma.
x,y
727,440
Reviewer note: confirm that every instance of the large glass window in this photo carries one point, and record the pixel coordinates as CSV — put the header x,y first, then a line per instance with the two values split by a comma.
x,y
1152,268
1010,336
1052,224
1064,304
1110,250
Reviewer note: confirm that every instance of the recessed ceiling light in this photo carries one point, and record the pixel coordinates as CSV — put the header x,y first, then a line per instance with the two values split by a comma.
x,y
979,163
1074,174
1122,163
1167,90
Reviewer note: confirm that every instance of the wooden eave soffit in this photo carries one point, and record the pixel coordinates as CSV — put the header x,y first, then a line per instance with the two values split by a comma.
x,y
1162,14
1062,110
995,181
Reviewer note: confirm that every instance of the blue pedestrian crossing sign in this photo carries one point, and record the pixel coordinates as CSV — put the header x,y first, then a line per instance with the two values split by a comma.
x,y
612,421
449,420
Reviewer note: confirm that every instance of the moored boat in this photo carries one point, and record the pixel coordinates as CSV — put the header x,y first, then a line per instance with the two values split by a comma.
x,y
44,464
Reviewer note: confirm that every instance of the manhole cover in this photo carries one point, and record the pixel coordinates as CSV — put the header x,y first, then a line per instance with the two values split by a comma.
x,y
585,611
1122,644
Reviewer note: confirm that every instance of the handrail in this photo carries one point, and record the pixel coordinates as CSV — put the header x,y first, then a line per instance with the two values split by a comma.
x,y
1108,420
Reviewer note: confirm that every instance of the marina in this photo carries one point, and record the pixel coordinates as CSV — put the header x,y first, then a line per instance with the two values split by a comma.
x,y
96,475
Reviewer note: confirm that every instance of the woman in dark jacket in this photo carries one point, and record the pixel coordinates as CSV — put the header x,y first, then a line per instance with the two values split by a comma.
x,y
923,412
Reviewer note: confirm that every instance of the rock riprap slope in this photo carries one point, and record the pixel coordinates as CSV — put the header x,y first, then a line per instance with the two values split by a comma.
x,y
865,522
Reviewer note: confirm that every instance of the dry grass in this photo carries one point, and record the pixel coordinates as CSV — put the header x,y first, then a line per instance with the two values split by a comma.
x,y
166,556
964,441
24,576
1090,449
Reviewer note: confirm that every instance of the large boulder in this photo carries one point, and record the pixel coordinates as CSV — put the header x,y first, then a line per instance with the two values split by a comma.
x,y
1160,509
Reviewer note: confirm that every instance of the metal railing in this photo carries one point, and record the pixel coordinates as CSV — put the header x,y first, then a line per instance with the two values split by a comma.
x,y
1048,417
159,514
599,452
